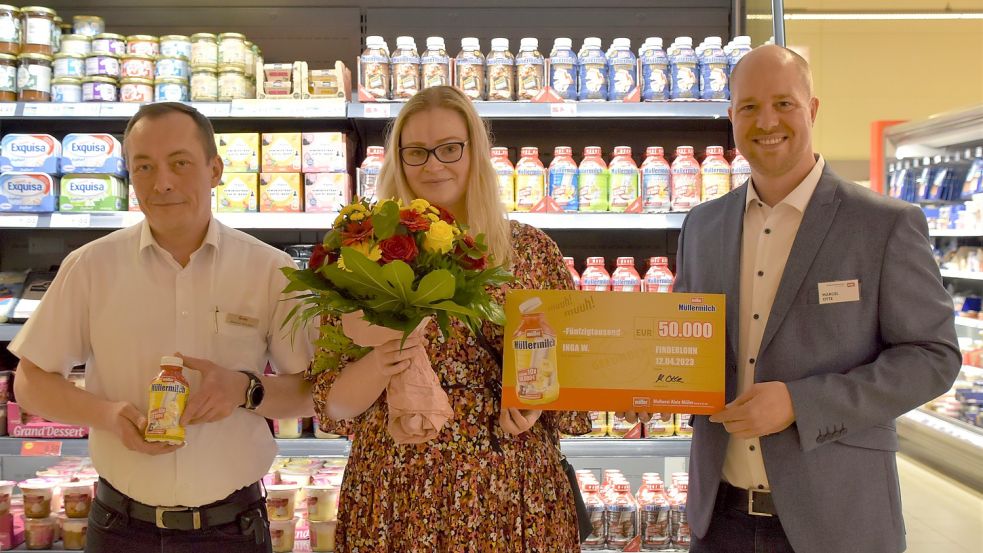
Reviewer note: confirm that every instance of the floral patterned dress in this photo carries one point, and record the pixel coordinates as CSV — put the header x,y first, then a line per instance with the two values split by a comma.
x,y
473,488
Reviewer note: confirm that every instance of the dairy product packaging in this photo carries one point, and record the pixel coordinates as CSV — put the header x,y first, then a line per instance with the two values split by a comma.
x,y
90,192
30,152
92,153
28,192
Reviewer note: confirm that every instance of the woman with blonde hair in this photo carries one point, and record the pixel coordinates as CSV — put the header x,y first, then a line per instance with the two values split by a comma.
x,y
491,480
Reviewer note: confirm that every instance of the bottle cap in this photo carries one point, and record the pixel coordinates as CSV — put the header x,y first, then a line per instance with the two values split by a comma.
x,y
530,305
626,262
499,152
658,261
435,43
171,361
563,43
470,44
529,44
405,42
500,44
684,41
598,262
592,42
622,151
622,43
529,151
713,41
562,151
375,42
654,151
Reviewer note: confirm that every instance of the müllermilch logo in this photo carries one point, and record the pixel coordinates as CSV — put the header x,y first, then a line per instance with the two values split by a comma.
x,y
176,388
698,300
545,343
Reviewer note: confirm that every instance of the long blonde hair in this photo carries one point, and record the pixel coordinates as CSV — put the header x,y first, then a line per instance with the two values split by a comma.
x,y
486,214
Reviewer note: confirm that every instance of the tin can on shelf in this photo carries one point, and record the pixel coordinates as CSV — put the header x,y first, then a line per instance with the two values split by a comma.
x,y
175,46
34,78
109,44
204,50
144,45
76,44
99,89
136,90
8,78
37,24
232,50
231,84
66,90
204,85
100,65
69,66
135,66
171,90
250,64
172,68
10,30
88,25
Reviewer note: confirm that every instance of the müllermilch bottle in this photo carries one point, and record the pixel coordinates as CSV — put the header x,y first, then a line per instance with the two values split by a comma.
x,y
530,70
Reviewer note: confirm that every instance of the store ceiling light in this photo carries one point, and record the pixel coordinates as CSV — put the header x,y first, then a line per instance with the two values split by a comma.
x,y
872,16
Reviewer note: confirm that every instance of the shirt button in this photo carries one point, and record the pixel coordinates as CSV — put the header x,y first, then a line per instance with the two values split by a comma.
x,y
751,360
756,316
761,273
751,448
767,231
761,486
760,204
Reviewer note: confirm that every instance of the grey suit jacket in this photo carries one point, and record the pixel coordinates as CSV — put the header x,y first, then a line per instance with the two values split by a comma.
x,y
851,368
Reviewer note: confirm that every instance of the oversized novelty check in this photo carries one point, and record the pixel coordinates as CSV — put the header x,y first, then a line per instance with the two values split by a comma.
x,y
614,351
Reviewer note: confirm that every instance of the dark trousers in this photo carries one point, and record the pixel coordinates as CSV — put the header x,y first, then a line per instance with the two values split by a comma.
x,y
735,531
111,531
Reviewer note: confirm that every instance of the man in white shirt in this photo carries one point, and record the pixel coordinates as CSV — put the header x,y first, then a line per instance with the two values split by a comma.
x,y
837,323
180,283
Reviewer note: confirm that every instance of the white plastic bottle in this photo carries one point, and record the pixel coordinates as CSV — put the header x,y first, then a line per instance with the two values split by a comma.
x,y
593,72
714,71
506,176
622,70
655,71
740,170
435,64
374,64
741,46
683,66
469,73
564,69
656,182
501,72
405,69
530,70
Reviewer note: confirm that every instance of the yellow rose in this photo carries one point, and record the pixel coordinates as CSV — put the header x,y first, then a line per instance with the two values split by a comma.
x,y
419,205
357,216
433,218
365,248
440,238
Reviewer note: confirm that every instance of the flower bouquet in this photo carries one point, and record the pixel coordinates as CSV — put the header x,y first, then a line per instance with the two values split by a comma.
x,y
385,269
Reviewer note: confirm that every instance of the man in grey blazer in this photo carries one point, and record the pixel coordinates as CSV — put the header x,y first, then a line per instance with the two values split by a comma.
x,y
837,323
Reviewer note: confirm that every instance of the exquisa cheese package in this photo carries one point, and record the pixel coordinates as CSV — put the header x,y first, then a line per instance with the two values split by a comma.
x,y
280,192
28,192
83,192
326,192
324,152
237,193
92,153
239,151
30,152
281,152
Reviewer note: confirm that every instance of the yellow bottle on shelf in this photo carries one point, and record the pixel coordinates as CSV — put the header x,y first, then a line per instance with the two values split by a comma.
x,y
683,427
535,357
168,397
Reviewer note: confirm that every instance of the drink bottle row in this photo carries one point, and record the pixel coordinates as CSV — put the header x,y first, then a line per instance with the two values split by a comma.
x,y
656,512
589,75
625,277
951,177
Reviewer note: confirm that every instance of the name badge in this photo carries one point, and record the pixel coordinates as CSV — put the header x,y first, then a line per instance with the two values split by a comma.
x,y
839,291
241,320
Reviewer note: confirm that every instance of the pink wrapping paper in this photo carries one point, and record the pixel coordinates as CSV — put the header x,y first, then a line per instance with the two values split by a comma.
x,y
418,406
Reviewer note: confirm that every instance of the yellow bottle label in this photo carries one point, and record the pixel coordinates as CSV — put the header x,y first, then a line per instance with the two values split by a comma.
x,y
535,361
168,397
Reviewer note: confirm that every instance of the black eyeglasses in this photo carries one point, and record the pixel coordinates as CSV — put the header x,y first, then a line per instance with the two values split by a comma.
x,y
450,152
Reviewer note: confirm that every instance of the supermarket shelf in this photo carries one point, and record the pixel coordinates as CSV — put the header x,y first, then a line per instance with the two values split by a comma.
x,y
322,221
121,219
570,110
601,220
236,109
971,370
951,446
945,129
960,233
572,447
8,331
969,323
964,275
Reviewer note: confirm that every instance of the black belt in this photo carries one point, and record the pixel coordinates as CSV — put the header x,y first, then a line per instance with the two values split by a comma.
x,y
753,502
225,511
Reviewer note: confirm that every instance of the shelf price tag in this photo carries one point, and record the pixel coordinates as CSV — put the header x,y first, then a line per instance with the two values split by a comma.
x,y
213,109
377,111
18,221
8,109
323,108
118,109
40,449
90,109
43,109
71,220
565,109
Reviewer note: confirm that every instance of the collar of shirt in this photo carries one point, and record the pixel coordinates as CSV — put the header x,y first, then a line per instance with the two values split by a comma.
x,y
147,236
800,196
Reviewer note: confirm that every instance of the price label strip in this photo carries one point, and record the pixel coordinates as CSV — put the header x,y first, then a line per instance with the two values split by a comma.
x,y
40,449
71,220
377,110
8,109
18,221
609,351
118,109
213,109
563,110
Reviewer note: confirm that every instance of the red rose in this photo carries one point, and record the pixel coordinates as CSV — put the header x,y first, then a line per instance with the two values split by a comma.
x,y
414,221
318,256
356,232
466,261
445,215
401,247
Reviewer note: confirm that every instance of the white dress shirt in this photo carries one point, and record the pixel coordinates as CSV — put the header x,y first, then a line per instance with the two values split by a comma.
x,y
766,242
121,302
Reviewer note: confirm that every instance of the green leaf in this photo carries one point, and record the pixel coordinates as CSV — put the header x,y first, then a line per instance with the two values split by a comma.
x,y
435,286
384,222
332,240
400,277
367,271
451,307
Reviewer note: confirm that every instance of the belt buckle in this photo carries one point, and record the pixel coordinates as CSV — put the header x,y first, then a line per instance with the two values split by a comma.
x,y
750,504
196,516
